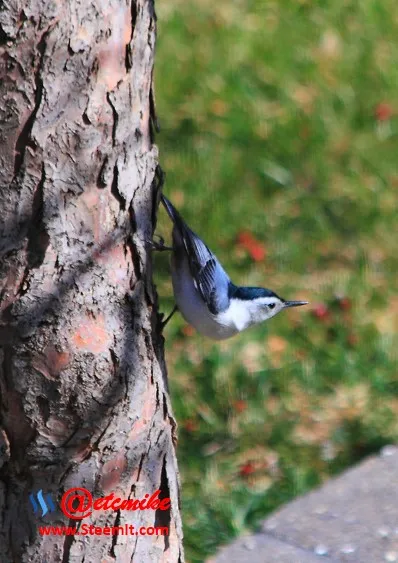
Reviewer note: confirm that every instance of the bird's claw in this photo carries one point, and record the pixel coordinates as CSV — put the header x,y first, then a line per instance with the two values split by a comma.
x,y
158,245
164,323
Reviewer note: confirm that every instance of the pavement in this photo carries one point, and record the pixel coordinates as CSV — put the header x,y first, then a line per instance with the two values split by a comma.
x,y
352,518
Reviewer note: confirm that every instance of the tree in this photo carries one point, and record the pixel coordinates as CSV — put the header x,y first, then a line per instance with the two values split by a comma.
x,y
84,400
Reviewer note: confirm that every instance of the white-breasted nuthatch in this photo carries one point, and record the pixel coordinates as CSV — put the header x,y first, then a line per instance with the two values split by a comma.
x,y
204,293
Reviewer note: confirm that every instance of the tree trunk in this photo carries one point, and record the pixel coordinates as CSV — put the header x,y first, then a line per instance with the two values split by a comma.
x,y
83,392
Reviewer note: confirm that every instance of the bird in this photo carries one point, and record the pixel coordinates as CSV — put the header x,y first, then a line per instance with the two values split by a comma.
x,y
204,293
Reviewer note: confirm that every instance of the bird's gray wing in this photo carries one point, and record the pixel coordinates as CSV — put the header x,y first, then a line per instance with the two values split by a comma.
x,y
212,283
209,276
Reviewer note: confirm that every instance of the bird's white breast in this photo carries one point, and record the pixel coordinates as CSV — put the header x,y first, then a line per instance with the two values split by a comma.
x,y
195,311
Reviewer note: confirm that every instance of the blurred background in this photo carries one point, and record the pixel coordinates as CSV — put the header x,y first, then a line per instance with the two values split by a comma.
x,y
279,141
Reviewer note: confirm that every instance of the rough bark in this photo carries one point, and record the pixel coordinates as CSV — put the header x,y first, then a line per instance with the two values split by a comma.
x,y
83,394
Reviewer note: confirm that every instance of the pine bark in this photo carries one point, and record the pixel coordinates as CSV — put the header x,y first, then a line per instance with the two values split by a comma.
x,y
83,389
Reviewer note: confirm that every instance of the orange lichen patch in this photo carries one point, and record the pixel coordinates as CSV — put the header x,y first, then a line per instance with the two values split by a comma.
x,y
117,263
92,335
51,362
91,198
111,57
110,70
148,411
112,472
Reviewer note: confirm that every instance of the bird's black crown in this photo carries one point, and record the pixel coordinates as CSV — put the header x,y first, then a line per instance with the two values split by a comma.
x,y
249,293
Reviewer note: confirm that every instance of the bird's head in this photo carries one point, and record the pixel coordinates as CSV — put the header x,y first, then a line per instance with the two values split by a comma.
x,y
263,303
269,306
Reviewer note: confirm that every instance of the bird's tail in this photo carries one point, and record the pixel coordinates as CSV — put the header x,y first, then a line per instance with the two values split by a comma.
x,y
179,223
171,210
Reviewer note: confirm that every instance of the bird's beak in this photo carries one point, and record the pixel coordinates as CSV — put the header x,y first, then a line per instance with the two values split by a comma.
x,y
295,303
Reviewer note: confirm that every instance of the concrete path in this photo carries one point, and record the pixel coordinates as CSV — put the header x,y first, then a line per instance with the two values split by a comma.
x,y
351,518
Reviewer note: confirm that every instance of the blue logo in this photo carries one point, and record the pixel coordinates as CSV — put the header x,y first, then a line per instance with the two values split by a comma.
x,y
45,506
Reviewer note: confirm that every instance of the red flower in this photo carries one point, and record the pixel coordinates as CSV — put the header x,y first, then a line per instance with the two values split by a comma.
x,y
253,247
321,312
352,340
188,330
191,425
240,405
345,304
247,469
383,111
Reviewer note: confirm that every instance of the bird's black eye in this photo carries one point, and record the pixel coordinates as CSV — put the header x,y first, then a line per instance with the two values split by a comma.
x,y
272,305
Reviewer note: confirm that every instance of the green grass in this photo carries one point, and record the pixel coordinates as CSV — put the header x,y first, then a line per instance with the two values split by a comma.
x,y
274,140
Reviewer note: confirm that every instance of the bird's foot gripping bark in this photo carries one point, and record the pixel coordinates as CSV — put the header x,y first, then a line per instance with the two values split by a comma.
x,y
164,323
158,245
